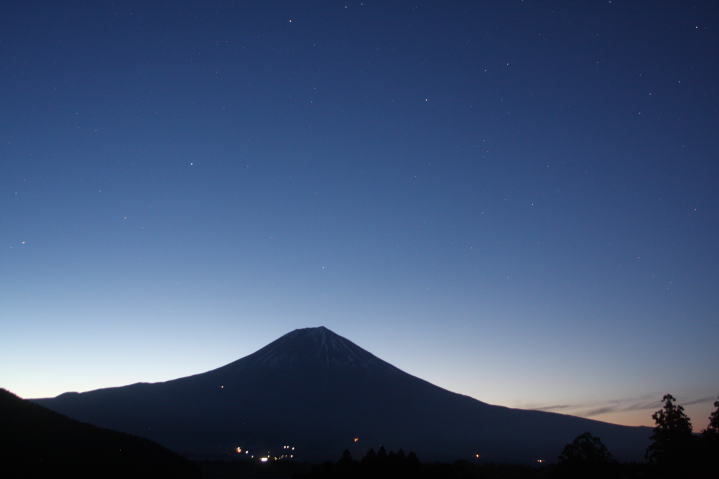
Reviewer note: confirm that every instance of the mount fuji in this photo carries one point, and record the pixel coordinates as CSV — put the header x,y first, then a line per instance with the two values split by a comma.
x,y
320,393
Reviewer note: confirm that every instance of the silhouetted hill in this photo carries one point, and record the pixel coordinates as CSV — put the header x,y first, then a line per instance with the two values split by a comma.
x,y
35,440
317,391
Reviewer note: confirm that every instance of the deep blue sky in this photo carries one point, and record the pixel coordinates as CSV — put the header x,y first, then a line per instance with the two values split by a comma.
x,y
516,200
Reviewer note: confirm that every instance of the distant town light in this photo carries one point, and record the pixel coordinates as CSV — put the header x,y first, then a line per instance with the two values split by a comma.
x,y
477,455
239,450
540,461
264,459
356,439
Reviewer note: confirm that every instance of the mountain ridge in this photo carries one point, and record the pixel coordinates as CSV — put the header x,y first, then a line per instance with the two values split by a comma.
x,y
45,442
318,390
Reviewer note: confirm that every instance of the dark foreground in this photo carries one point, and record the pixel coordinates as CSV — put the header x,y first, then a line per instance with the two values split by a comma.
x,y
355,470
456,470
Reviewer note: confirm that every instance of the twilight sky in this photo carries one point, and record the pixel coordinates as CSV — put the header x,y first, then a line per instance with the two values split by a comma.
x,y
516,200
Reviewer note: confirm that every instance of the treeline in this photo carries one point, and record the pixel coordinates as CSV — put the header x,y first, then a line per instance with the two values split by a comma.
x,y
674,452
398,464
383,464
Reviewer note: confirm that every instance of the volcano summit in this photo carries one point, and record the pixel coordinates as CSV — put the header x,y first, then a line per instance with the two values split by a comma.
x,y
317,391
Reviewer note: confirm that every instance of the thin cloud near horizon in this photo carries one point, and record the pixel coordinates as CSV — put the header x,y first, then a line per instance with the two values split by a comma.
x,y
619,405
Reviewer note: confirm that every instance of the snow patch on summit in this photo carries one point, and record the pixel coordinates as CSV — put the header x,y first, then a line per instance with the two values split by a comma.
x,y
316,345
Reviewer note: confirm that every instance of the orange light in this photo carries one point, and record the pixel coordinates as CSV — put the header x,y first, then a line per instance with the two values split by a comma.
x,y
477,456
238,449
356,439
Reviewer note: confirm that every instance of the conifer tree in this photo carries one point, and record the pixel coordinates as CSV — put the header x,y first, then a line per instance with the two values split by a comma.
x,y
713,427
672,437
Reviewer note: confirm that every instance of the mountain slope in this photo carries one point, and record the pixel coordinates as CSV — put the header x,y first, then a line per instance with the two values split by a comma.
x,y
316,390
39,439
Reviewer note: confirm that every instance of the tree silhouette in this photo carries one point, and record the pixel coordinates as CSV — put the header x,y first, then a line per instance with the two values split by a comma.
x,y
710,441
585,450
370,458
586,456
713,427
672,437
382,453
346,458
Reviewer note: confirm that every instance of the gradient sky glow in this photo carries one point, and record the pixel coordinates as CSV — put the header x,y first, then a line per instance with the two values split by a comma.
x,y
516,200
